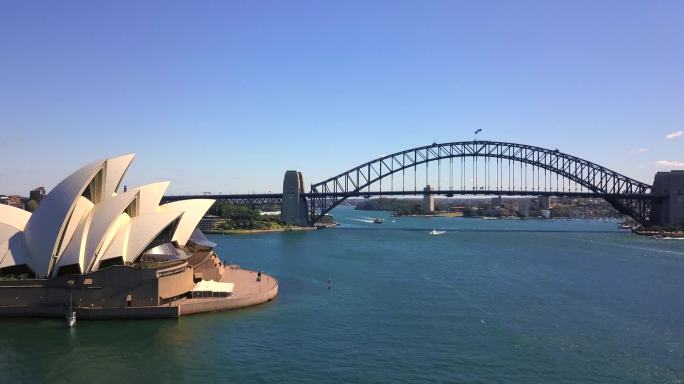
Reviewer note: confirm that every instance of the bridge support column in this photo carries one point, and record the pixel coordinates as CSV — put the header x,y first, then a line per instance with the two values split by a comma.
x,y
670,209
294,209
428,199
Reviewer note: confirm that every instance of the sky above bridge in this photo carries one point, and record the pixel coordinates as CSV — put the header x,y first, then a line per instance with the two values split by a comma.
x,y
224,96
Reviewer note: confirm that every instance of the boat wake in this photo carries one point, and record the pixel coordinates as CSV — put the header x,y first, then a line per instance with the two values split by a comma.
x,y
362,220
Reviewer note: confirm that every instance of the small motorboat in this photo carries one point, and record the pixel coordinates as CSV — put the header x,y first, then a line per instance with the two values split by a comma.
x,y
71,319
378,220
435,232
625,226
71,315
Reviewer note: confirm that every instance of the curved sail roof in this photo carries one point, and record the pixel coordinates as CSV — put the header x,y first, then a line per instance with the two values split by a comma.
x,y
138,233
12,222
81,209
45,227
13,251
83,221
14,217
145,229
103,217
150,196
75,250
194,211
115,169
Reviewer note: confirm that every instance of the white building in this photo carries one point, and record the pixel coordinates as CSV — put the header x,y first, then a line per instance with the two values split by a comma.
x,y
83,223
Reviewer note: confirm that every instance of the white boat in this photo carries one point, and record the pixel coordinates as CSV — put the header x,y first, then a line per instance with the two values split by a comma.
x,y
71,320
71,315
435,232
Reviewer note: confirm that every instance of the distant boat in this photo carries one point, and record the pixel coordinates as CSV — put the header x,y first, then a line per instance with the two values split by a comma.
x,y
378,220
71,320
71,315
435,232
625,226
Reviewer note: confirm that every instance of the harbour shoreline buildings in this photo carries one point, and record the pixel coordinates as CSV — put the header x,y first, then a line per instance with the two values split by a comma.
x,y
116,254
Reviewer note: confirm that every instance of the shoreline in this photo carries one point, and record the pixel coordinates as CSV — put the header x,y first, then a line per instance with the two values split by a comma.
x,y
278,230
662,234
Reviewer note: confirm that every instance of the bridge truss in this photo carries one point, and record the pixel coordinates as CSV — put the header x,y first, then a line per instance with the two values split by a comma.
x,y
261,201
484,168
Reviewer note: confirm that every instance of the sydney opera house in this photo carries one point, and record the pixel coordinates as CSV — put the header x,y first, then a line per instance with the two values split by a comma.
x,y
116,254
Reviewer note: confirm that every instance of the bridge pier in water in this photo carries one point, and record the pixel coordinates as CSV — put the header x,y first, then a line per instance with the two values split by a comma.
x,y
294,208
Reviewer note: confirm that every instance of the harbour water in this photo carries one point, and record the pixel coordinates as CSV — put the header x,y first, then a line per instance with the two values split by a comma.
x,y
527,301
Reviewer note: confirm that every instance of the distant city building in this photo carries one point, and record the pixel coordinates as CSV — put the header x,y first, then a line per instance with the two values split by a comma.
x,y
37,194
15,201
523,207
496,202
211,223
544,202
546,213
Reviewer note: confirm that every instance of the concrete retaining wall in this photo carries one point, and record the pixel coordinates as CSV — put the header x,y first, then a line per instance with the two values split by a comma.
x,y
90,313
193,306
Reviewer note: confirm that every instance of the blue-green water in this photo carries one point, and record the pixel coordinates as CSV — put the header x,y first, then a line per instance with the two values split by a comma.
x,y
489,301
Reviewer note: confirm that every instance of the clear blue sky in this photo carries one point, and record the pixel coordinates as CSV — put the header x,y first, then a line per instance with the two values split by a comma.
x,y
227,95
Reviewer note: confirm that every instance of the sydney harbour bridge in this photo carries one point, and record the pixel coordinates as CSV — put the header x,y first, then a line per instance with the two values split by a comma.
x,y
474,168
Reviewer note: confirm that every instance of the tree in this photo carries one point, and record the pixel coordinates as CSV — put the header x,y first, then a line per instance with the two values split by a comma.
x,y
31,205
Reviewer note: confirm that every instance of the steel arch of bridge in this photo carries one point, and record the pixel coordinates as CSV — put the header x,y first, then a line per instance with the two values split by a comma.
x,y
628,196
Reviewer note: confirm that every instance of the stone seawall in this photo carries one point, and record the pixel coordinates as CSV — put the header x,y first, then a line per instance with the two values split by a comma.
x,y
193,306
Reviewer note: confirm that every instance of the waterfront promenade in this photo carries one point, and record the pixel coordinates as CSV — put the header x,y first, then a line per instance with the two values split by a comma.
x,y
247,292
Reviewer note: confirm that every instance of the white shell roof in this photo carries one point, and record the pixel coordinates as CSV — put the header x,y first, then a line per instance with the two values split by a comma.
x,y
14,217
44,228
13,252
92,231
194,211
103,216
144,229
150,196
115,169
81,210
75,250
